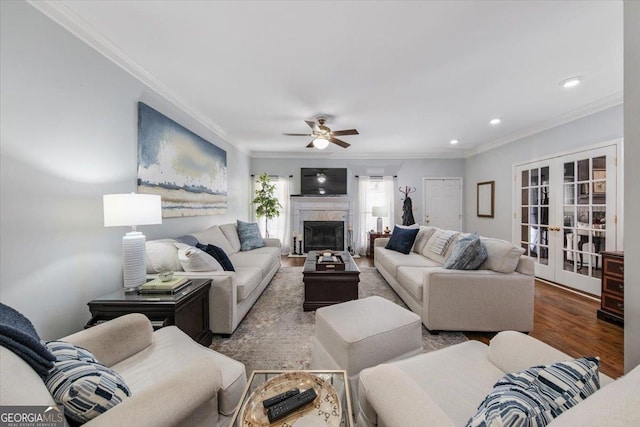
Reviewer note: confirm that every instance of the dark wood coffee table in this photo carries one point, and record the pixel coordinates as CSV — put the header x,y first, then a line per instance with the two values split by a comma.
x,y
331,286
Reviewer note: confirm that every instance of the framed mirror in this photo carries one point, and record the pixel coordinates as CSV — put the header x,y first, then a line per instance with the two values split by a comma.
x,y
485,199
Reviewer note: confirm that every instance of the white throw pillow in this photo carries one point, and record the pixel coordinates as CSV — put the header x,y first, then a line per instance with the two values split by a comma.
x,y
440,244
423,237
502,256
162,255
193,259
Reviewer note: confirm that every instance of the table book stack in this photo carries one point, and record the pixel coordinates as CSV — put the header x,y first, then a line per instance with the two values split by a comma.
x,y
157,286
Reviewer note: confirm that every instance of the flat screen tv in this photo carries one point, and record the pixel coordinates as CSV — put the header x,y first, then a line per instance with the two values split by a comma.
x,y
323,181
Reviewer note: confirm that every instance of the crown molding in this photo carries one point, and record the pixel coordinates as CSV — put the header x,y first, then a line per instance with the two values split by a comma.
x,y
596,106
69,20
447,154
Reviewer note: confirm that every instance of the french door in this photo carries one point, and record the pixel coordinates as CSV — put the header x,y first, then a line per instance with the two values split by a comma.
x,y
566,215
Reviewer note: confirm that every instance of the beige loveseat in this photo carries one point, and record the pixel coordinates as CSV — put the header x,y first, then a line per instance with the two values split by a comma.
x,y
232,293
445,387
498,296
174,381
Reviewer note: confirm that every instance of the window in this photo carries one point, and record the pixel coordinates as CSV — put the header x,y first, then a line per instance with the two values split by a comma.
x,y
278,227
373,191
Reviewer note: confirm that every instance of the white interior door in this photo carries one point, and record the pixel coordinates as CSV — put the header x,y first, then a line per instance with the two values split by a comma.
x,y
443,202
567,215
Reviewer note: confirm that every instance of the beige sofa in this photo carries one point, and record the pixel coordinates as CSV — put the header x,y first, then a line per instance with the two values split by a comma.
x,y
445,387
174,381
232,294
498,296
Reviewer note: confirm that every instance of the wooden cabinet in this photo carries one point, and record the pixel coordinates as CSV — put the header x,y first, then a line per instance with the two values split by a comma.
x,y
188,309
612,298
373,236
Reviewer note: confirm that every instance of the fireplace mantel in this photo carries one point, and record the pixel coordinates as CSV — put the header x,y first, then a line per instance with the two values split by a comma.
x,y
309,208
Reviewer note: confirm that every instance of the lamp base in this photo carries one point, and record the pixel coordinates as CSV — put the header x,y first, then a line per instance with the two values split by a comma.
x,y
134,260
379,225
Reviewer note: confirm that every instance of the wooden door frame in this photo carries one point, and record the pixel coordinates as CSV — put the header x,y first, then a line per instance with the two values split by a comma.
x,y
442,178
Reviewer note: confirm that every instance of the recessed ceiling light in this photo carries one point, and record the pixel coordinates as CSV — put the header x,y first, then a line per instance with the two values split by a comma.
x,y
453,141
495,121
571,82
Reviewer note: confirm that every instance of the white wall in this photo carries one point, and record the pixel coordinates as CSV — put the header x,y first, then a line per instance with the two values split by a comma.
x,y
632,180
496,164
69,135
409,173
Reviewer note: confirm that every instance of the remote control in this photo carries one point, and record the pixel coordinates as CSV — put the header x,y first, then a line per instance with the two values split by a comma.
x,y
286,407
280,397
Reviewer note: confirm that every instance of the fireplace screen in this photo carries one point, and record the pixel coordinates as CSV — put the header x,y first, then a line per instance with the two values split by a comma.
x,y
319,235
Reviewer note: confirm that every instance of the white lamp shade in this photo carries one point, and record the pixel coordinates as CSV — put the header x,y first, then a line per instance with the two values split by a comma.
x,y
131,209
379,211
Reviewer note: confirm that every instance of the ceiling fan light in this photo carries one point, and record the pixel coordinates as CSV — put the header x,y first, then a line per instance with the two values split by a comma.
x,y
320,143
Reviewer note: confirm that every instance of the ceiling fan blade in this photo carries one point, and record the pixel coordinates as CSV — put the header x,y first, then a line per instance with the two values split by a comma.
x,y
311,124
297,134
345,132
339,142
310,145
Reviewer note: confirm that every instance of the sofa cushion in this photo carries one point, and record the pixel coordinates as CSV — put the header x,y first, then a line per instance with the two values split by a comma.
x,y
230,231
194,259
440,241
424,234
391,260
402,239
215,236
502,256
467,254
247,280
250,237
412,279
535,396
220,255
162,255
82,385
262,261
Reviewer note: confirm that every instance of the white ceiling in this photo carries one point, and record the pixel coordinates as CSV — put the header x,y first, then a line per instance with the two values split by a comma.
x,y
409,75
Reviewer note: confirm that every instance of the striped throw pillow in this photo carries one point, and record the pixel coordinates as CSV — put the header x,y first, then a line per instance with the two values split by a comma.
x,y
81,384
442,241
535,396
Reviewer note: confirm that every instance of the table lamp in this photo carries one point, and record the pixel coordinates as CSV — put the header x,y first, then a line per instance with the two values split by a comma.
x,y
379,211
131,210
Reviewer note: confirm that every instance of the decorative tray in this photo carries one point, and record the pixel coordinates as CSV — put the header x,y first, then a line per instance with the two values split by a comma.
x,y
325,408
329,261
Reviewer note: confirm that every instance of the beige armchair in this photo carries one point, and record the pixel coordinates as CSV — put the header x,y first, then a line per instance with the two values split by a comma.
x,y
173,380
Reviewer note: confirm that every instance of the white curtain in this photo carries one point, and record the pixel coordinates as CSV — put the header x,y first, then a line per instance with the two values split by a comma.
x,y
278,227
372,191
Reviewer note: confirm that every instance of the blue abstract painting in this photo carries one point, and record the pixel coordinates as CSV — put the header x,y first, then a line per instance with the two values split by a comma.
x,y
188,172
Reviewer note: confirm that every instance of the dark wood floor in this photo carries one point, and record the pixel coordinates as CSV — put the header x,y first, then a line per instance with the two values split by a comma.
x,y
562,319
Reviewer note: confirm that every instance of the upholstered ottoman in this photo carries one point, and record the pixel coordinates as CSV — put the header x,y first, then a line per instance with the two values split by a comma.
x,y
358,334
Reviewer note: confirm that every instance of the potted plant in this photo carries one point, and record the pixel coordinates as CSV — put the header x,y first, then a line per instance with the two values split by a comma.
x,y
267,205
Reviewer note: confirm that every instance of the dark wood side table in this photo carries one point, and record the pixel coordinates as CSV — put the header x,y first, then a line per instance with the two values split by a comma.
x,y
187,309
612,296
373,236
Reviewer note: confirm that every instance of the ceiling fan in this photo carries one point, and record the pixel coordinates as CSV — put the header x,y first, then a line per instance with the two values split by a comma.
x,y
322,135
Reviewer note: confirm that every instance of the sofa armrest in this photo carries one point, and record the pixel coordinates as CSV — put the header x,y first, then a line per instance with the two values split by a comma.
x,y
170,401
397,400
271,242
513,351
115,340
381,241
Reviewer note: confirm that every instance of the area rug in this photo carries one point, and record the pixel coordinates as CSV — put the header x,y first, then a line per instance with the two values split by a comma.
x,y
277,333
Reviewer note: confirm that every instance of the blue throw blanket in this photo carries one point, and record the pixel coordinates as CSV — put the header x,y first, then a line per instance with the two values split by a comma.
x,y
18,335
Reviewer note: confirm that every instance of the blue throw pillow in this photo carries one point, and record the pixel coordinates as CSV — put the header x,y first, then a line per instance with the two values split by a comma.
x,y
219,254
188,239
249,234
402,239
467,254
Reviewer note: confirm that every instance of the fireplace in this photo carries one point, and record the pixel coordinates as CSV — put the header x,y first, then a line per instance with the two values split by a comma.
x,y
319,235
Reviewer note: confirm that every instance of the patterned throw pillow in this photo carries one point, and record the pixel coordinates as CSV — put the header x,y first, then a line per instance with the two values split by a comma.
x,y
249,234
535,396
83,386
442,240
402,239
468,254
